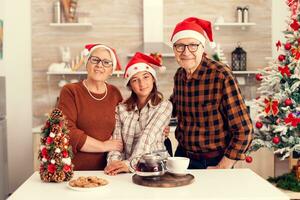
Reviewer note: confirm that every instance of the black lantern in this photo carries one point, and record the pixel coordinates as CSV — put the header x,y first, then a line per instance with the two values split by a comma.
x,y
239,59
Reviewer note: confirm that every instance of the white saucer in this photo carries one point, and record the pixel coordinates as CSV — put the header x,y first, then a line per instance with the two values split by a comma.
x,y
181,173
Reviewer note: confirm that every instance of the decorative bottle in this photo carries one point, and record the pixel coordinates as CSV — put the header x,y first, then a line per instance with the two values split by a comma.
x,y
239,14
246,14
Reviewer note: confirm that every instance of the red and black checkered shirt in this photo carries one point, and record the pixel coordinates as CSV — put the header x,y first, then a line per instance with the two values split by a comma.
x,y
211,112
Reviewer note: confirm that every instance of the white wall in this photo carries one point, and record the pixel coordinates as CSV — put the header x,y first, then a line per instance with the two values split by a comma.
x,y
280,13
17,53
2,69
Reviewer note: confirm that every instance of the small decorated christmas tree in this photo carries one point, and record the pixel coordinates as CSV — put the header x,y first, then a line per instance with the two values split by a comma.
x,y
55,151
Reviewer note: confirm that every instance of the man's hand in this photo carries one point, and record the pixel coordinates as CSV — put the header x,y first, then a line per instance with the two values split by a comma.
x,y
116,167
225,163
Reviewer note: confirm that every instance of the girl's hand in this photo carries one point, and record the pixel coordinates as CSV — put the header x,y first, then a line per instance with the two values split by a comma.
x,y
116,167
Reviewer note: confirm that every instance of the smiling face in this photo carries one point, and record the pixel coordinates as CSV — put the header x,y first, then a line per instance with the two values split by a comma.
x,y
187,59
99,72
142,84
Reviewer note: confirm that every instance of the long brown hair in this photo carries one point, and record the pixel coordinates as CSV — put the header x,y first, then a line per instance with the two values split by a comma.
x,y
155,96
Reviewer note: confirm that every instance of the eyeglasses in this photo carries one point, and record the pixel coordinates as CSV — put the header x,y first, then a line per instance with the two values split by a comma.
x,y
105,63
181,47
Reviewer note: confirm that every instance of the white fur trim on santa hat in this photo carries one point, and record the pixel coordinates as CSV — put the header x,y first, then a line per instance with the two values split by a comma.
x,y
189,34
138,67
112,54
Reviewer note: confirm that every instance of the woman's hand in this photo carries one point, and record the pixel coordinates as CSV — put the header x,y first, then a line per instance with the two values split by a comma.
x,y
113,145
116,167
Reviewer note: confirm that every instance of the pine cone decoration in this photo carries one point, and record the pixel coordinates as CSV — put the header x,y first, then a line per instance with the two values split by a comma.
x,y
56,129
46,176
69,175
43,140
57,159
56,113
57,141
59,176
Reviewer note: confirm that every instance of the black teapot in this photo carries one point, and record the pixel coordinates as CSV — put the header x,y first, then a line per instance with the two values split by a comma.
x,y
150,164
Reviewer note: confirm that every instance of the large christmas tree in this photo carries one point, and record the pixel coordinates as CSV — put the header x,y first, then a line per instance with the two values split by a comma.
x,y
277,125
55,151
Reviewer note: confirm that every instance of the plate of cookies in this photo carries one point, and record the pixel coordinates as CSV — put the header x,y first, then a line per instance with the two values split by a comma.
x,y
89,183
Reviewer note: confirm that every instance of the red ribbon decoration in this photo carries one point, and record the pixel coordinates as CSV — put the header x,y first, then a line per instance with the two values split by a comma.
x,y
271,106
293,120
285,70
295,25
293,4
278,45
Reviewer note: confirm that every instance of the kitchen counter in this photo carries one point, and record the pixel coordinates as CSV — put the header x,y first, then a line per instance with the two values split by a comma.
x,y
231,184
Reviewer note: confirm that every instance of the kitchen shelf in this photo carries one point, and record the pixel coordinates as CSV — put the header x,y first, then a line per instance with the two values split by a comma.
x,y
243,26
116,73
83,25
245,72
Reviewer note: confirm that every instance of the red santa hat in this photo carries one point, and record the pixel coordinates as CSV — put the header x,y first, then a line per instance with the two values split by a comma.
x,y
141,62
193,27
89,48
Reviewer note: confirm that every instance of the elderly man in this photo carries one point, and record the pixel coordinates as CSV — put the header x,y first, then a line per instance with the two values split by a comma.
x,y
214,128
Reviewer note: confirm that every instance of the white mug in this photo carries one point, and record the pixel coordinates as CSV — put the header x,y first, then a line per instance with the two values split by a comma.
x,y
177,164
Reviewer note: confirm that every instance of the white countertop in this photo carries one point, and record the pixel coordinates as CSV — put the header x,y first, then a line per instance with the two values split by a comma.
x,y
241,184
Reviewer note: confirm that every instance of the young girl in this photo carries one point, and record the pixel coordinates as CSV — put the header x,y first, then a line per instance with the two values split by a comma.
x,y
140,120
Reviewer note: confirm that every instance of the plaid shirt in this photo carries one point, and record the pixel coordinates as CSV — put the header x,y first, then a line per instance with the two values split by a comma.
x,y
141,131
210,110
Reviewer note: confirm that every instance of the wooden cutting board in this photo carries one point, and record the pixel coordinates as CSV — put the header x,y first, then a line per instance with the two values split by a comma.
x,y
167,180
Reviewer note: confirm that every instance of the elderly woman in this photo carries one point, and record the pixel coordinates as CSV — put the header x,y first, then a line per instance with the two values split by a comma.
x,y
89,107
141,118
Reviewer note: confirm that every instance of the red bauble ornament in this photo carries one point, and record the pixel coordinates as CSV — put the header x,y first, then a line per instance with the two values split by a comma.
x,y
44,152
258,77
288,102
67,168
259,125
49,140
276,140
248,159
287,46
51,168
65,154
281,57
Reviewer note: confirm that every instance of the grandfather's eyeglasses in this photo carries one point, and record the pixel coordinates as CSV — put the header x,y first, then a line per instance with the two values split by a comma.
x,y
96,60
181,47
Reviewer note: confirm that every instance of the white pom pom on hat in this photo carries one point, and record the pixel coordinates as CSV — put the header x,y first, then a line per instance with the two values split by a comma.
x,y
141,62
196,28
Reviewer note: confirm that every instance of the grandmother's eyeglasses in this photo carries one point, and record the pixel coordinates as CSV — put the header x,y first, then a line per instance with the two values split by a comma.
x,y
96,60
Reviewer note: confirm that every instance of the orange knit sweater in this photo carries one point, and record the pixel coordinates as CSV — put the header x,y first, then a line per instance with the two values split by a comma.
x,y
87,116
